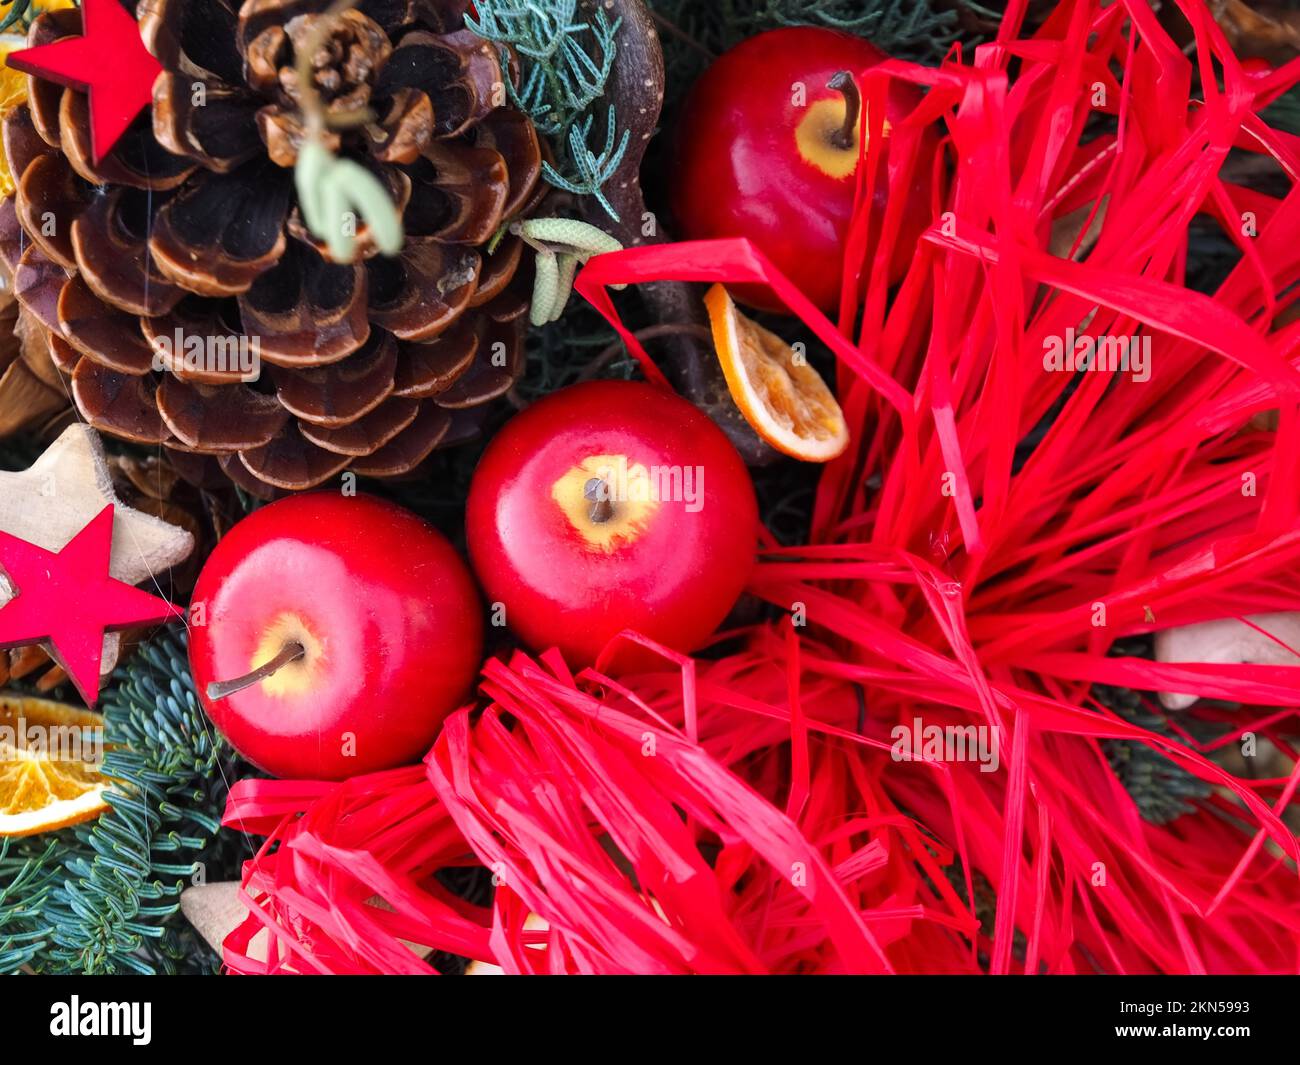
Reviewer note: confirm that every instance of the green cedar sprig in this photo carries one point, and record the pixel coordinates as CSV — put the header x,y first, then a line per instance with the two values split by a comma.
x,y
566,64
891,24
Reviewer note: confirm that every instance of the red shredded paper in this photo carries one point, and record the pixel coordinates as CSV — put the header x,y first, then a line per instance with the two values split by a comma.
x,y
745,815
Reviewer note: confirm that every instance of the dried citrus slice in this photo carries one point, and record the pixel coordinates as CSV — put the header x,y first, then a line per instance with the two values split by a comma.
x,y
49,776
780,395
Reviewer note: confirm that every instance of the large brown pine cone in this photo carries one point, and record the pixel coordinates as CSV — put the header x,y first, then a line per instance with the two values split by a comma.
x,y
192,224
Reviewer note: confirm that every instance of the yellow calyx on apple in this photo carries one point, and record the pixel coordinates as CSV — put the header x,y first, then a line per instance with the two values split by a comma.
x,y
814,136
288,639
607,499
827,136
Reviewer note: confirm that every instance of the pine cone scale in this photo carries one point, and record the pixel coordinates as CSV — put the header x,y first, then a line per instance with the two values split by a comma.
x,y
335,395
219,418
368,434
428,369
30,386
105,336
119,404
38,282
409,448
292,462
308,313
113,258
48,190
22,144
421,293
207,122
13,239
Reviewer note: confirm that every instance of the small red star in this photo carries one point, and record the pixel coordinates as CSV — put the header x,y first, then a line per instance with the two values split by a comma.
x,y
68,599
109,61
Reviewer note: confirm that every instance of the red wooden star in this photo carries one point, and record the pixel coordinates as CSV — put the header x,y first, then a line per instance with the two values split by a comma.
x,y
109,61
68,599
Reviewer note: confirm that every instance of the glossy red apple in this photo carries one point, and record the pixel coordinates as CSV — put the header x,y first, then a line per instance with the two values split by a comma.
x,y
768,149
357,624
607,506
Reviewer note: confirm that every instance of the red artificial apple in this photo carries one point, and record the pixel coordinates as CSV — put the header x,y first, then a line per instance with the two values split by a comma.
x,y
768,149
607,506
331,635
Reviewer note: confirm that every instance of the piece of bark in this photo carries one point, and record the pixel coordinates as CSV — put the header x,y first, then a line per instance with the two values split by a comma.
x,y
1259,30
636,89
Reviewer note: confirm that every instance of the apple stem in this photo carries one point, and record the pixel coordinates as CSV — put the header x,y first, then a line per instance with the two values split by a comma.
x,y
290,652
844,84
602,508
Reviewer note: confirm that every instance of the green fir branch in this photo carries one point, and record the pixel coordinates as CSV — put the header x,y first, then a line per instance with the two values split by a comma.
x,y
108,892
27,874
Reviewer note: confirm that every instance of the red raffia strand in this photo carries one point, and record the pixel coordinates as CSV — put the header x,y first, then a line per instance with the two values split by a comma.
x,y
744,814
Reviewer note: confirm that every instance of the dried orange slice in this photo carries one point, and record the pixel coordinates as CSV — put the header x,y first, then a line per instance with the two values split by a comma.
x,y
780,395
49,766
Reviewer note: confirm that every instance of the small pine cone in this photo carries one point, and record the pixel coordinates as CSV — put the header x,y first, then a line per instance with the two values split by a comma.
x,y
190,230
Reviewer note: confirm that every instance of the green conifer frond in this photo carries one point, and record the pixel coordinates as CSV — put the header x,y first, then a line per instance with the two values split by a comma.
x,y
566,64
593,169
27,873
103,897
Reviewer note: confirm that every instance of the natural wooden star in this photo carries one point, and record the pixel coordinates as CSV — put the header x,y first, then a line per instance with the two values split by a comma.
x,y
50,503
215,910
